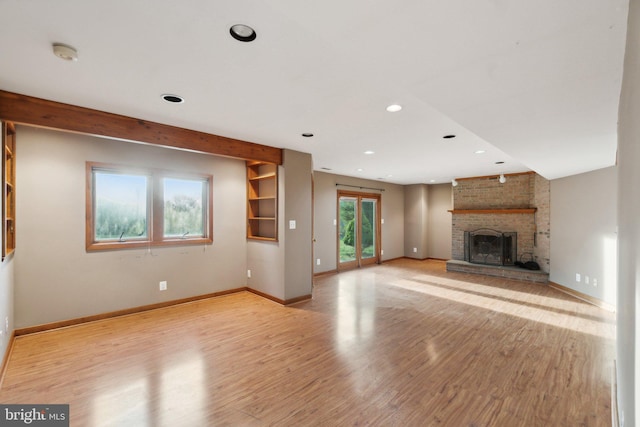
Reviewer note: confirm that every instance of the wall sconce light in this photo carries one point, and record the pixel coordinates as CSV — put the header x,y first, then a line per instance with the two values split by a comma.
x,y
502,179
454,182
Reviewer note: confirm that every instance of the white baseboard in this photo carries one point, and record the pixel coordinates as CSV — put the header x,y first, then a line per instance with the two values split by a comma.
x,y
614,396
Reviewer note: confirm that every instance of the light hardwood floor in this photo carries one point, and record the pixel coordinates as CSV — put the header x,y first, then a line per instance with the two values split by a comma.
x,y
401,344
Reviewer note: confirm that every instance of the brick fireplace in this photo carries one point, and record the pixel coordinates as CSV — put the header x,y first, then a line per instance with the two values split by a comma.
x,y
519,206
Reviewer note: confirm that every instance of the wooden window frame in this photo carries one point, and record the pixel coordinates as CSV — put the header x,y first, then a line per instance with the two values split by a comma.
x,y
155,214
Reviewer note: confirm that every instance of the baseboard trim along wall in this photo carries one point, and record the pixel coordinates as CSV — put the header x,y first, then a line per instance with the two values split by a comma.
x,y
278,300
117,313
133,310
584,297
336,271
325,273
7,355
615,422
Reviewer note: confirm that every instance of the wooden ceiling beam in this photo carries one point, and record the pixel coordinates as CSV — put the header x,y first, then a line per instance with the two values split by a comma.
x,y
27,110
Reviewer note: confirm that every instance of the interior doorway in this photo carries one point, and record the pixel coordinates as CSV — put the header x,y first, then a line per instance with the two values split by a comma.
x,y
358,229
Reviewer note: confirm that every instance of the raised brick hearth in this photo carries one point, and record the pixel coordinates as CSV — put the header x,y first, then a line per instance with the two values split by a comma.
x,y
498,271
520,205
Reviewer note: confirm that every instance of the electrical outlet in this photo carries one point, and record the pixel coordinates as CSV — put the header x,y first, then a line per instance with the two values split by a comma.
x,y
249,274
586,279
318,261
595,283
381,251
163,285
415,250
578,279
6,324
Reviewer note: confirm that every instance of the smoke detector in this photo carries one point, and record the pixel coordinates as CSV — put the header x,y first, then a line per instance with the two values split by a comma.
x,y
65,52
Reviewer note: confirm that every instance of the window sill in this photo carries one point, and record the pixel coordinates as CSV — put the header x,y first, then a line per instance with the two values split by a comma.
x,y
108,246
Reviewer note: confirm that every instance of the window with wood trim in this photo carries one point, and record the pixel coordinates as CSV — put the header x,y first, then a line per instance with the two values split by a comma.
x,y
132,207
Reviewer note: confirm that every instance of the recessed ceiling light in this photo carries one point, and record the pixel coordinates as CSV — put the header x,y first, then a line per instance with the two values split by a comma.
x,y
174,99
449,136
359,169
65,52
242,33
432,181
369,152
394,108
480,152
307,134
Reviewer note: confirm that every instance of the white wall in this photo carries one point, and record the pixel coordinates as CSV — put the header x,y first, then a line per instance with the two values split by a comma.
x,y
628,313
416,219
439,222
265,258
583,233
326,211
56,279
298,276
282,269
6,302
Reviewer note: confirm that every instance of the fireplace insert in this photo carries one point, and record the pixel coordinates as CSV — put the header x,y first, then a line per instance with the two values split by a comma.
x,y
486,246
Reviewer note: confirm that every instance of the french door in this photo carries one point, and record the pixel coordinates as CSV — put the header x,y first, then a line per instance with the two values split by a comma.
x,y
358,229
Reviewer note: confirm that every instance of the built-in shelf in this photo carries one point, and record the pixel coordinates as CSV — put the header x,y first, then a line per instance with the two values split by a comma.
x,y
8,179
262,201
264,176
493,211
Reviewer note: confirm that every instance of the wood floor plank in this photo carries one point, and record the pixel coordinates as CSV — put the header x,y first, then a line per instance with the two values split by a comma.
x,y
401,344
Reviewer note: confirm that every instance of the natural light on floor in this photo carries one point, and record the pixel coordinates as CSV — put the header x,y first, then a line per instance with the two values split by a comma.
x,y
354,325
497,299
128,401
134,398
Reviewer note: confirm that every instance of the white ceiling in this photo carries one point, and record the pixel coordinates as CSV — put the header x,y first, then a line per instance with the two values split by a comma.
x,y
535,84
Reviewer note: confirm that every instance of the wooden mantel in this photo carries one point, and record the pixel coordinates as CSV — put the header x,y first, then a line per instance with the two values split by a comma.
x,y
494,211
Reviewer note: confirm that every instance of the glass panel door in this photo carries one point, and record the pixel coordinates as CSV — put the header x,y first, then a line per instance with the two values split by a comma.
x,y
347,231
368,231
358,229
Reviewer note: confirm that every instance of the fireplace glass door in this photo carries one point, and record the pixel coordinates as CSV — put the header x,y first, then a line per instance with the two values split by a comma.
x,y
490,247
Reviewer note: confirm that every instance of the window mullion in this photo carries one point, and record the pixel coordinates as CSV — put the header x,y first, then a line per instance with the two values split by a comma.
x,y
157,213
205,201
208,226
